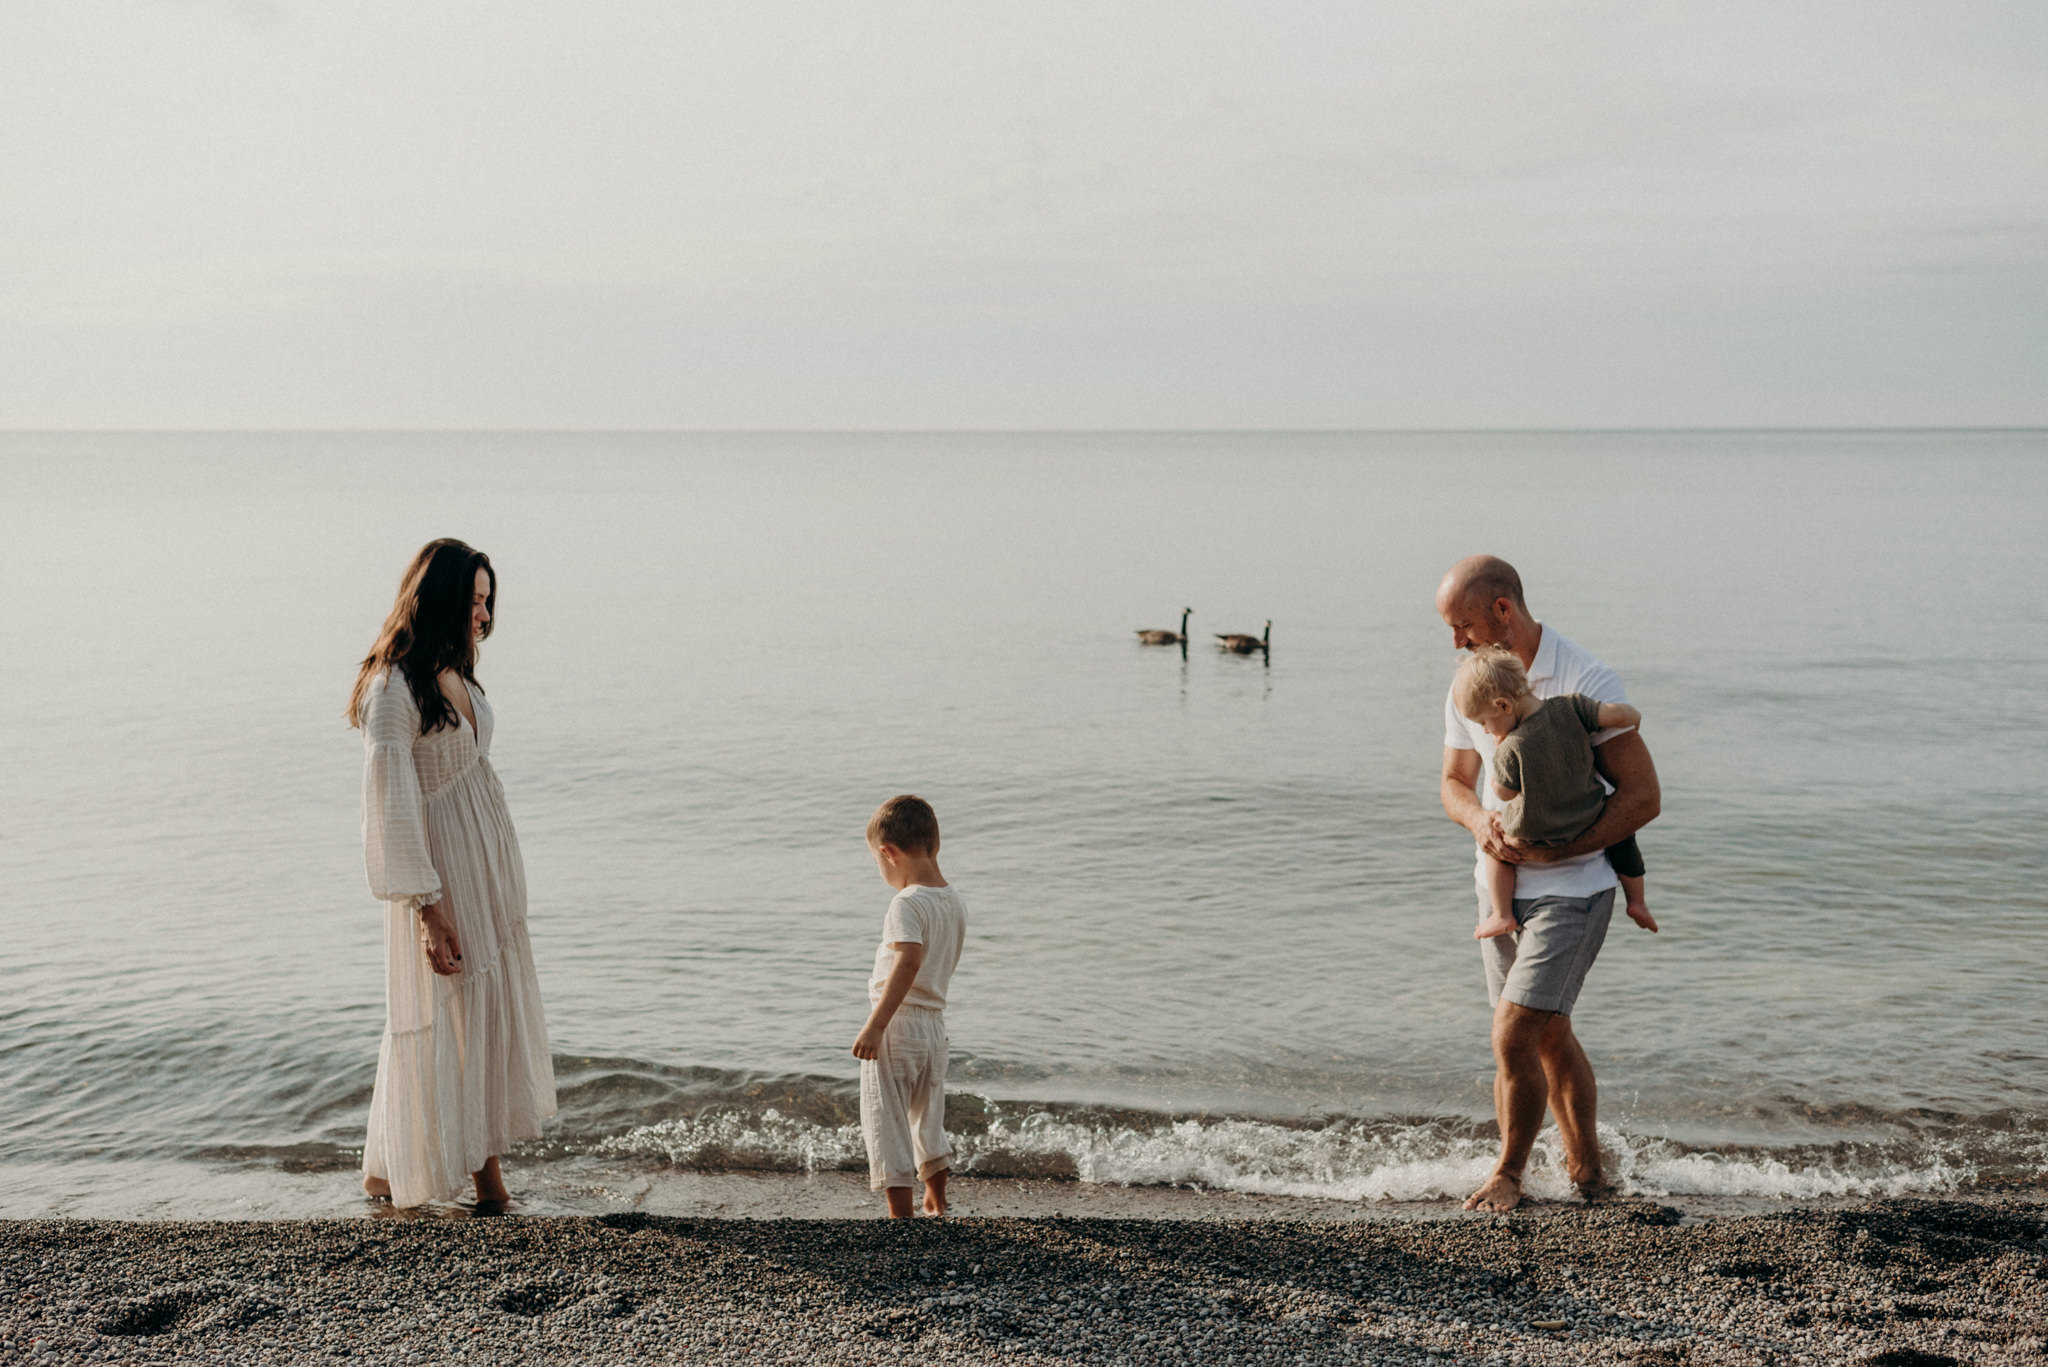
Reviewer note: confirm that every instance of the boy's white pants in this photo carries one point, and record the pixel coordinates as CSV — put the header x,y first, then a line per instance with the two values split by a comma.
x,y
903,1100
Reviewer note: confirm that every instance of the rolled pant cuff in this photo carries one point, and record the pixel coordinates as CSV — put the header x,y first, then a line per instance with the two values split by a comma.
x,y
925,1171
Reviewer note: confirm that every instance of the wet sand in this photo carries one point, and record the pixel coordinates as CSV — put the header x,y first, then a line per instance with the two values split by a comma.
x,y
1891,1283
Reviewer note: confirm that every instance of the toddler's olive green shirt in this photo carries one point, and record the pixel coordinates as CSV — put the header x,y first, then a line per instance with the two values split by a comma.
x,y
1548,761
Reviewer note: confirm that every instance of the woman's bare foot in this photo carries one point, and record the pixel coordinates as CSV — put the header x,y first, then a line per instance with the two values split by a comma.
x,y
1501,1193
490,1185
1495,924
376,1188
935,1193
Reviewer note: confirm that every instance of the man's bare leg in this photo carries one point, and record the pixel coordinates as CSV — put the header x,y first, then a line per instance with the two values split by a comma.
x,y
1574,1104
935,1193
1521,1093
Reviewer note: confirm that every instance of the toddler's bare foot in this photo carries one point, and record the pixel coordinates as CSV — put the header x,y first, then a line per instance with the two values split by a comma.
x,y
1501,1192
1495,925
376,1188
1639,912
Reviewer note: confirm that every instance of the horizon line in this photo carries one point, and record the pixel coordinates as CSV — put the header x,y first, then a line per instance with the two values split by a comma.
x,y
450,430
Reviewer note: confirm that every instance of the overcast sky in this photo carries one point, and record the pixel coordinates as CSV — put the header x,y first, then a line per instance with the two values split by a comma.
x,y
648,213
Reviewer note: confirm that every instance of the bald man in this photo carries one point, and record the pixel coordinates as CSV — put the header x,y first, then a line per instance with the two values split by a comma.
x,y
1564,897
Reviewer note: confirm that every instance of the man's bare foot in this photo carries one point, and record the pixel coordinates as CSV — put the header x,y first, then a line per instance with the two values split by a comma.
x,y
1639,912
935,1194
1595,1188
490,1185
899,1202
1502,1192
1495,925
376,1188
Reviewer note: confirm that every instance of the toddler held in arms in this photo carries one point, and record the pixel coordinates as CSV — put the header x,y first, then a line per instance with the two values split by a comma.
x,y
903,1046
1543,770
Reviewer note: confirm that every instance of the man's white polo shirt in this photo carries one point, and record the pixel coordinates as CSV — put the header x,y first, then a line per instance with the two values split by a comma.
x,y
1562,666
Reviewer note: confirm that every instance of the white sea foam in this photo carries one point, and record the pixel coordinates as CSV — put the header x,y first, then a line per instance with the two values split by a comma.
x,y
1653,1167
736,1139
1344,1160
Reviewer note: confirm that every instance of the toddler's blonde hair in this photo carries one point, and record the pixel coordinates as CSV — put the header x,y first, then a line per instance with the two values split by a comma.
x,y
1488,672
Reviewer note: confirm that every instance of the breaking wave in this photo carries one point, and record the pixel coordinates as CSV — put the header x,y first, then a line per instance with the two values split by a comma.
x,y
738,1122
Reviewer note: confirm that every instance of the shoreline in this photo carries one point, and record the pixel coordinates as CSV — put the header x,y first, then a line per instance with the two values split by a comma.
x,y
174,1191
1887,1283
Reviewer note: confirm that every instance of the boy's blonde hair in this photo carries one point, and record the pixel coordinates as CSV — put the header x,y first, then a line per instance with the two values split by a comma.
x,y
1489,672
908,823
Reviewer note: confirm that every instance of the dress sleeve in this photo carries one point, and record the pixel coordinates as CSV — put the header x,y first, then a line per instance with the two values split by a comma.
x,y
394,834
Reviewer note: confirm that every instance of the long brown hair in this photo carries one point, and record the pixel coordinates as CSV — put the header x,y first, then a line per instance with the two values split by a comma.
x,y
428,630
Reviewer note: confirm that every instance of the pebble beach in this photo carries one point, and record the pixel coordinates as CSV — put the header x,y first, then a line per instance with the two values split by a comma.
x,y
1894,1283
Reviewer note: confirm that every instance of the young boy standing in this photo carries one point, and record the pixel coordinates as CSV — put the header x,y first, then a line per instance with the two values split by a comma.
x,y
903,1046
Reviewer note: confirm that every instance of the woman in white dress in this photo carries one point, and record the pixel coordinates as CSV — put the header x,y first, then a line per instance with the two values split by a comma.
x,y
464,1072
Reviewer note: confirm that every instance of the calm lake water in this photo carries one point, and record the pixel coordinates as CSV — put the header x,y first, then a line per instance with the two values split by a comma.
x,y
1220,926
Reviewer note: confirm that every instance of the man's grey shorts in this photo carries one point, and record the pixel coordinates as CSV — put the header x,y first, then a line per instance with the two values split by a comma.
x,y
1543,965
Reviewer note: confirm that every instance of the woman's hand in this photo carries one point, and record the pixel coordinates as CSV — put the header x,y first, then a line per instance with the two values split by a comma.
x,y
438,935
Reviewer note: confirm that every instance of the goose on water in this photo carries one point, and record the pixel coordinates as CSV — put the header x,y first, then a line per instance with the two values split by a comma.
x,y
1240,644
1167,638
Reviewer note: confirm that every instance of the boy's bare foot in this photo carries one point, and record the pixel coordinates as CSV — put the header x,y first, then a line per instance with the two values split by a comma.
x,y
490,1185
376,1188
1495,925
1639,912
1502,1192
935,1193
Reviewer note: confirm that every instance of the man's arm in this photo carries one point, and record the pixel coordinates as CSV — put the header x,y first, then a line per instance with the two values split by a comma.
x,y
1634,803
1460,793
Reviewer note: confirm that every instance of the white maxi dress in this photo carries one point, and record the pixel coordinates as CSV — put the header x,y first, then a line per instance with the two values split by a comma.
x,y
464,1072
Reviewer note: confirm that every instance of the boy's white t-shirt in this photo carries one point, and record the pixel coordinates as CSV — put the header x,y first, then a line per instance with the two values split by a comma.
x,y
935,918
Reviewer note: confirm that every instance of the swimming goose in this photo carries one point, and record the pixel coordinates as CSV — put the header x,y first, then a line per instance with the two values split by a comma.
x,y
1167,638
1245,645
